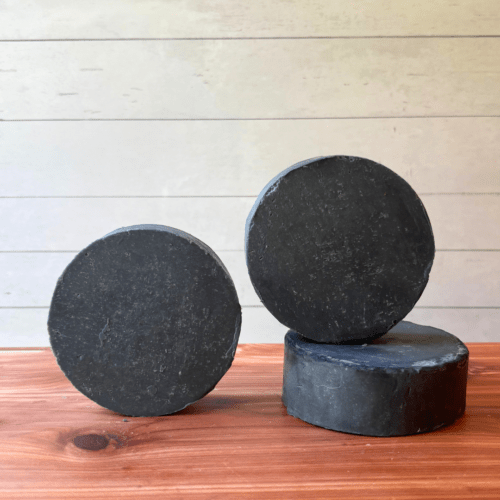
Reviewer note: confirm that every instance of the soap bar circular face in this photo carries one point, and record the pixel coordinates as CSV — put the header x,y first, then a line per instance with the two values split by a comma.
x,y
411,380
145,321
339,248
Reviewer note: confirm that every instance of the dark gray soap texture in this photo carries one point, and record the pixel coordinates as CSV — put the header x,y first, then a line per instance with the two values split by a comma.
x,y
411,380
145,320
339,248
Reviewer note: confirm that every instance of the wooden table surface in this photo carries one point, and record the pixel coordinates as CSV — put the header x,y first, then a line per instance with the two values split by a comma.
x,y
238,442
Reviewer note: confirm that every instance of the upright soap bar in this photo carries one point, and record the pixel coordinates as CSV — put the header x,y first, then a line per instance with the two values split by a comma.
x,y
411,380
145,320
339,248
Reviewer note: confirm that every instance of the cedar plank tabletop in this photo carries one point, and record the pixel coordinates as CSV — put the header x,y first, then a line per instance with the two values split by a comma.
x,y
238,442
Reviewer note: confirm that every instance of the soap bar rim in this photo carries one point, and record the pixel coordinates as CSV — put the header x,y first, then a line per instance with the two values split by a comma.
x,y
463,352
277,179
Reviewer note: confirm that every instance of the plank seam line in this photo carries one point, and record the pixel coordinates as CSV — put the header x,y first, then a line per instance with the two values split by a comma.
x,y
456,307
422,307
467,250
200,119
241,250
262,307
77,251
130,196
198,196
243,38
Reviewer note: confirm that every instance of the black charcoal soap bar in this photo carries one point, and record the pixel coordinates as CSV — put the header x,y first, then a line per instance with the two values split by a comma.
x,y
339,248
411,380
145,320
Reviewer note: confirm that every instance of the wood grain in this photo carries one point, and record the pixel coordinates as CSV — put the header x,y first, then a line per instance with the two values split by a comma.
x,y
220,79
238,158
238,442
47,19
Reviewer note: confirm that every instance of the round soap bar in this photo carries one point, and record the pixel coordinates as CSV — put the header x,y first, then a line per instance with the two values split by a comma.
x,y
339,248
411,380
145,320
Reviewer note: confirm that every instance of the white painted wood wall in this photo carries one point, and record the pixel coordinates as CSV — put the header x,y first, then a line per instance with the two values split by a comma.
x,y
178,112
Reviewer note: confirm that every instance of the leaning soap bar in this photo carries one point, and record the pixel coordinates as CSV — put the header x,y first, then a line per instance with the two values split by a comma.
x,y
339,248
145,320
411,380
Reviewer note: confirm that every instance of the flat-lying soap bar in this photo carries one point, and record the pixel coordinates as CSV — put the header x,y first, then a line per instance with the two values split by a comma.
x,y
339,248
411,380
145,320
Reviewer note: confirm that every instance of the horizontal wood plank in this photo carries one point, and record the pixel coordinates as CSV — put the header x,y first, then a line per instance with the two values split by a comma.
x,y
24,327
237,158
237,442
470,325
463,279
28,327
72,224
47,19
30,278
257,79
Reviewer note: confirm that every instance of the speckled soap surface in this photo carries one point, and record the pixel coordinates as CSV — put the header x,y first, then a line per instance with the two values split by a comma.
x,y
339,248
145,320
411,380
